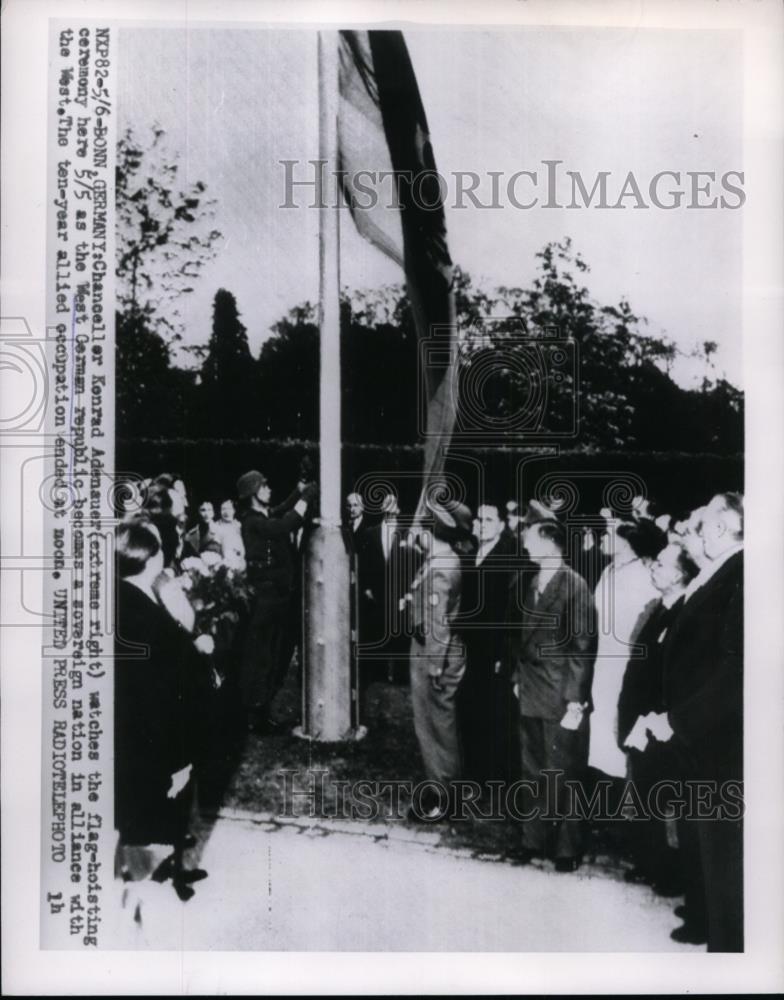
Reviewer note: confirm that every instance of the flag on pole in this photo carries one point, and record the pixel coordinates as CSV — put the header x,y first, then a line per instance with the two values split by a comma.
x,y
382,127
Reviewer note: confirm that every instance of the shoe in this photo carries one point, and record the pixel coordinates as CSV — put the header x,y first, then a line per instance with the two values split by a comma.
x,y
668,888
189,875
687,934
165,870
636,876
184,892
568,864
521,855
168,869
425,816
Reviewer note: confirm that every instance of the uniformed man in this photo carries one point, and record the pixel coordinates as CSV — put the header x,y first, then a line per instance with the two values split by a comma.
x,y
271,566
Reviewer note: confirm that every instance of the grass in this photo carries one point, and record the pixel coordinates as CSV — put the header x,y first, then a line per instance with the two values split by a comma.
x,y
259,773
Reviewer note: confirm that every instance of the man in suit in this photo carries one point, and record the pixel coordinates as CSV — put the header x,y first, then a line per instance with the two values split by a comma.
x,y
703,694
690,537
488,724
356,537
437,658
642,693
383,575
356,513
513,526
553,651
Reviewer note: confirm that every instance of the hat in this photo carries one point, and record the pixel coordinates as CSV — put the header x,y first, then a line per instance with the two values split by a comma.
x,y
454,519
249,483
536,512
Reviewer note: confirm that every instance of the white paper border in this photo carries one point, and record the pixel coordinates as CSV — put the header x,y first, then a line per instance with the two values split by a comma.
x,y
27,970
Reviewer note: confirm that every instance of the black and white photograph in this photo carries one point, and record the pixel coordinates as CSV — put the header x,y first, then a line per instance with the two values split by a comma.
x,y
397,415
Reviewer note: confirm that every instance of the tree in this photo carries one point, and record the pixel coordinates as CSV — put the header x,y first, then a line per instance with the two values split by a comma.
x,y
154,397
619,371
164,239
627,398
164,233
228,374
379,357
611,353
228,353
288,378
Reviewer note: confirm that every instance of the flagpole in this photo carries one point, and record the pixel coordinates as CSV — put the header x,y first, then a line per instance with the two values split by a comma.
x,y
327,639
329,281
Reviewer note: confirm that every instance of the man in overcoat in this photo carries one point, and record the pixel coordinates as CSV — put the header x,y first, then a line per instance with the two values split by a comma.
x,y
703,694
437,656
553,650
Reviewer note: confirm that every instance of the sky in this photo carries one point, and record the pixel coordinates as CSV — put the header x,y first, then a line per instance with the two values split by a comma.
x,y
233,103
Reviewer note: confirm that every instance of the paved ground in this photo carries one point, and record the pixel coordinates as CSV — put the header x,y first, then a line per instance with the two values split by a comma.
x,y
315,885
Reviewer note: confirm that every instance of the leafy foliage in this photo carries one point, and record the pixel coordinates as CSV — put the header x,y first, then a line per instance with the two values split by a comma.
x,y
164,234
619,371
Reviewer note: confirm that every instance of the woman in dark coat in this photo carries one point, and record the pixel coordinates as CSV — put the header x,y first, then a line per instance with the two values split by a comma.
x,y
157,674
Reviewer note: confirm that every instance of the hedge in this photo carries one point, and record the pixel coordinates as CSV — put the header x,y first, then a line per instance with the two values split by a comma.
x,y
585,481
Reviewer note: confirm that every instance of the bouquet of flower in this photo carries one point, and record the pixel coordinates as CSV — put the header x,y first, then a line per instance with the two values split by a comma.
x,y
219,596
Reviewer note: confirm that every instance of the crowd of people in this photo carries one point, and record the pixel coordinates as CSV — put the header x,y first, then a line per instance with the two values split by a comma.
x,y
607,655
598,651
205,607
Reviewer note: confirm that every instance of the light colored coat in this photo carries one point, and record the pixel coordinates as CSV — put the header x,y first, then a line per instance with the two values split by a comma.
x,y
625,598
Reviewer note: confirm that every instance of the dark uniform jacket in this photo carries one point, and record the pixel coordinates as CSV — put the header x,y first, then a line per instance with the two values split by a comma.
x,y
269,553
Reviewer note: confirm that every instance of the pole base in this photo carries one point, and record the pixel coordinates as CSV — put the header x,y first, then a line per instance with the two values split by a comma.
x,y
352,736
327,638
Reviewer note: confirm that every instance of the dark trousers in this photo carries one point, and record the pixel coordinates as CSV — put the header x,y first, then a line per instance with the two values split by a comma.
x,y
652,853
546,746
487,712
693,881
266,652
721,854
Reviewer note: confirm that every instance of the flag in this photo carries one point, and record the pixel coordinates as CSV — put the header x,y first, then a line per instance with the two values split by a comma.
x,y
382,127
